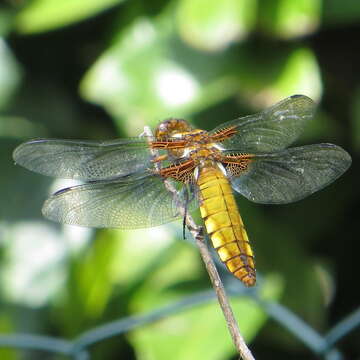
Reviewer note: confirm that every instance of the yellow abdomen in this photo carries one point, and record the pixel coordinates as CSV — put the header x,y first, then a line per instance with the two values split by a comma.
x,y
224,225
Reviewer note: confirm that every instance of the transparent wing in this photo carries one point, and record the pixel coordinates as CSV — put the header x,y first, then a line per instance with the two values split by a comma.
x,y
84,160
129,203
292,174
272,129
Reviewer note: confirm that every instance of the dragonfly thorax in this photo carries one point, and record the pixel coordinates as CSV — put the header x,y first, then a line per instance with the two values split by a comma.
x,y
181,141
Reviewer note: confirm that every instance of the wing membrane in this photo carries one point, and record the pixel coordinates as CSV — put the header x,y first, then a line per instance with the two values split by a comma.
x,y
84,160
292,174
273,129
129,203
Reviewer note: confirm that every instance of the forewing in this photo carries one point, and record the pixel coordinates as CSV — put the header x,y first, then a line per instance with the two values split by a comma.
x,y
84,160
129,203
292,174
272,129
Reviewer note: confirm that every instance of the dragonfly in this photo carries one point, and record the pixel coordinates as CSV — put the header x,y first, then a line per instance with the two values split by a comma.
x,y
124,180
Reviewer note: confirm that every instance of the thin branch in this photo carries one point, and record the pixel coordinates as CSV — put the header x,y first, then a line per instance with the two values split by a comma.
x,y
345,326
198,234
302,331
36,342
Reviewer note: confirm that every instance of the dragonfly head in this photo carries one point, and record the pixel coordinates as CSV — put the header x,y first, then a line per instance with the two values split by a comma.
x,y
170,127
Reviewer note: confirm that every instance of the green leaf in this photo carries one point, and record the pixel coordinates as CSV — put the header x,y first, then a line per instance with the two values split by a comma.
x,y
94,275
283,74
199,333
10,74
213,25
90,283
290,19
44,15
160,246
300,75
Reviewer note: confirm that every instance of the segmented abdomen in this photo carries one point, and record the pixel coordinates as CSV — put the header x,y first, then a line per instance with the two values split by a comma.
x,y
224,225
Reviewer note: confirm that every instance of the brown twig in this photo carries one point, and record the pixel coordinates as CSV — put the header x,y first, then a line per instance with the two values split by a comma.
x,y
198,234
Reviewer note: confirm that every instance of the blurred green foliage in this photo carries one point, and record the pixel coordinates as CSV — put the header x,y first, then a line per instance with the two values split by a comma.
x,y
105,68
45,15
